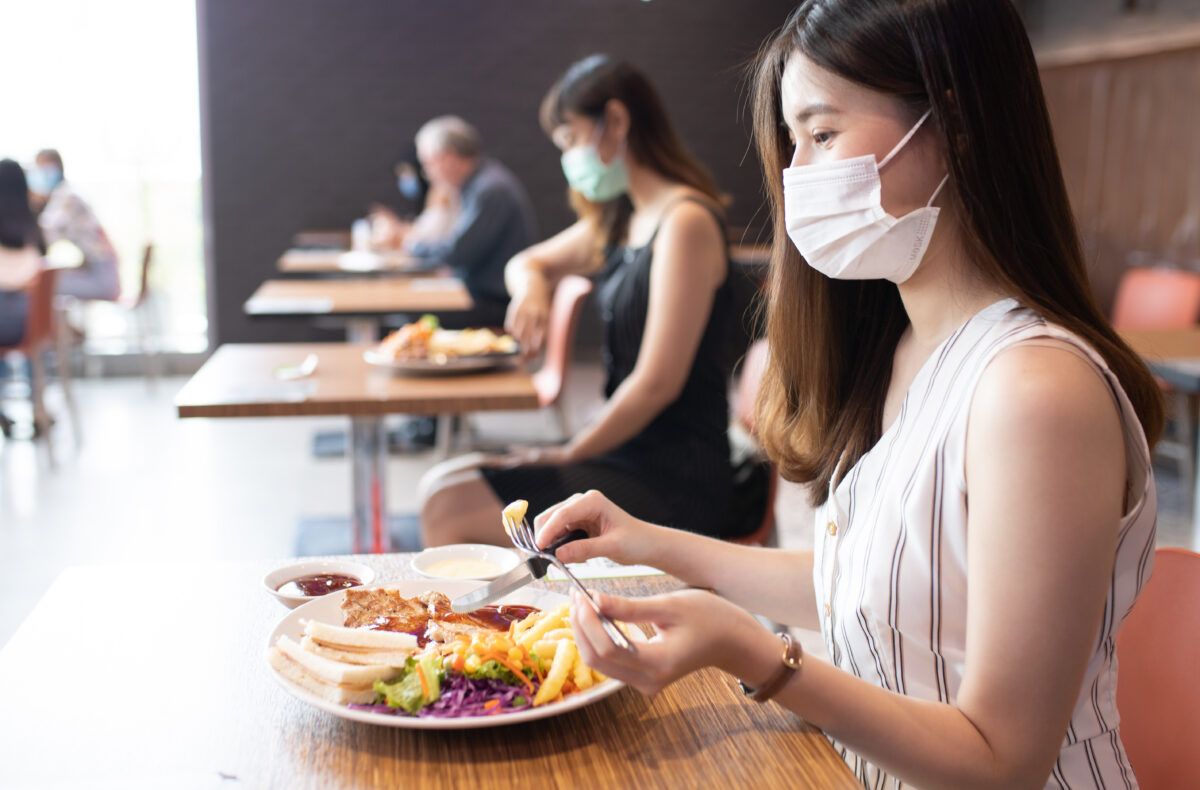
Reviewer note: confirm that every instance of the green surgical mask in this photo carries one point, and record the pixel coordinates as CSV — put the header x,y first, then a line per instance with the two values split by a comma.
x,y
588,175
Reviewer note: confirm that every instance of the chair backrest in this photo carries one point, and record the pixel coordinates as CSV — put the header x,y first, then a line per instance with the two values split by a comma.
x,y
39,320
565,309
1157,298
754,364
144,284
749,380
1158,682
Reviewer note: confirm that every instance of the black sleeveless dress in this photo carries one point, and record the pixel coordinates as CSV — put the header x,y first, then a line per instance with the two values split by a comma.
x,y
677,471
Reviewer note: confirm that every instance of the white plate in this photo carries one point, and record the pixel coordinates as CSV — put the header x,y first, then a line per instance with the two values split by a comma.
x,y
327,609
442,366
504,559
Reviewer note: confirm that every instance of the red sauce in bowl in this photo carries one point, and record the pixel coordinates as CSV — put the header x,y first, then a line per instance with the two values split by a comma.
x,y
318,584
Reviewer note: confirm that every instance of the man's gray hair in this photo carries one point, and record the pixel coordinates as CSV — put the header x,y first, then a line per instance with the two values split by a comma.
x,y
450,133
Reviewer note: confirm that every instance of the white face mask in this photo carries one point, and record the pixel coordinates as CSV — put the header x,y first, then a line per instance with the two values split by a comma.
x,y
835,217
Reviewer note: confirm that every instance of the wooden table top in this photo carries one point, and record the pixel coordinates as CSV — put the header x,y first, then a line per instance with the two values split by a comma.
x,y
155,676
329,261
239,381
1165,344
1172,354
359,296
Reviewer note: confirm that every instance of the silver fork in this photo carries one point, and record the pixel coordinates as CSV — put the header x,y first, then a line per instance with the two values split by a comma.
x,y
522,537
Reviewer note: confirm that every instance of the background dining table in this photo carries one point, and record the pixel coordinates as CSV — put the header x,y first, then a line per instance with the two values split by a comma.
x,y
336,261
361,302
244,380
155,676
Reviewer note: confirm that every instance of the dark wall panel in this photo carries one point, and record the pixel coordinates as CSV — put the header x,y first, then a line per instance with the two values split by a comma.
x,y
306,102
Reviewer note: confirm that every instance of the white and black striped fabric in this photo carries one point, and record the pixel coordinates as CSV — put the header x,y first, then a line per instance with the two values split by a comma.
x,y
891,551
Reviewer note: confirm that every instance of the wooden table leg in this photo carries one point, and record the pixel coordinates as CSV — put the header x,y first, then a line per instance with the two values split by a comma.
x,y
368,472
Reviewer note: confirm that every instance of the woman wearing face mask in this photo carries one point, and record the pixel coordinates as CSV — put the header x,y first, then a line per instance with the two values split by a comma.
x,y
934,344
66,216
432,212
651,231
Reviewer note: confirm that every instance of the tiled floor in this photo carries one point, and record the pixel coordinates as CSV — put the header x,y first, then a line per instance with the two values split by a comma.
x,y
148,487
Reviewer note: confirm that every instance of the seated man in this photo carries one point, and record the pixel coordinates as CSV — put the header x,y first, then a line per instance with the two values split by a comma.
x,y
495,217
66,216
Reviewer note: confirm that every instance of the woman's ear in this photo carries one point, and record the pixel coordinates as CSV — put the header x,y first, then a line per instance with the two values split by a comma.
x,y
616,120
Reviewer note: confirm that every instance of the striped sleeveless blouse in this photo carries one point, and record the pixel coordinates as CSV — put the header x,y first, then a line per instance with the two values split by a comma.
x,y
890,563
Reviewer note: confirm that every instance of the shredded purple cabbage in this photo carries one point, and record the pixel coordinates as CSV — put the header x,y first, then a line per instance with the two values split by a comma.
x,y
463,696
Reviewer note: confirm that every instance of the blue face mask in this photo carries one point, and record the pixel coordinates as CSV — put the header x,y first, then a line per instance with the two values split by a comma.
x,y
409,186
588,175
43,180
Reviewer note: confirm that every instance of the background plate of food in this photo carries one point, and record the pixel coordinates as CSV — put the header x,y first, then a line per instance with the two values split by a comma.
x,y
423,347
397,656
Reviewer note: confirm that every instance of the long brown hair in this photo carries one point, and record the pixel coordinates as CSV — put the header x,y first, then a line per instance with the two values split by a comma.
x,y
832,341
585,89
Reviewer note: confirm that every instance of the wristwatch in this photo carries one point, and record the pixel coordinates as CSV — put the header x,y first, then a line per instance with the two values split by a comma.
x,y
790,662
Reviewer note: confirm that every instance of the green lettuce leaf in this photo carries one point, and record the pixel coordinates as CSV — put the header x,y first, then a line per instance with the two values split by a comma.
x,y
407,692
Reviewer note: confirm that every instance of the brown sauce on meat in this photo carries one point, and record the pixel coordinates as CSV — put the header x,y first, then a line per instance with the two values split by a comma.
x,y
495,618
498,618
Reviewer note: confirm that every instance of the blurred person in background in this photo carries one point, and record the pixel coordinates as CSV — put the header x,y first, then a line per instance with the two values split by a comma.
x,y
495,219
428,215
65,216
651,230
21,251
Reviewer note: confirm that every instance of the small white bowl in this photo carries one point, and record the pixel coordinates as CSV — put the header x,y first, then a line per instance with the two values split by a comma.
x,y
281,576
504,560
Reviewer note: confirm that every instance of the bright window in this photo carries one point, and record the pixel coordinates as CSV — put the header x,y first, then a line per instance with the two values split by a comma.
x,y
113,86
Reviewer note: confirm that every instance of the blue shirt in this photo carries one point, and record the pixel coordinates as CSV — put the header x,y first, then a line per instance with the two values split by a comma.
x,y
495,222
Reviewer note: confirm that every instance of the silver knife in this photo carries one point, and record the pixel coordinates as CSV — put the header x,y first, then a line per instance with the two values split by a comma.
x,y
525,572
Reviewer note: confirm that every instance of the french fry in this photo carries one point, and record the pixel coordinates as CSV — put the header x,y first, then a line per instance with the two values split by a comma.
x,y
520,626
552,620
545,649
581,674
561,633
564,658
599,677
514,512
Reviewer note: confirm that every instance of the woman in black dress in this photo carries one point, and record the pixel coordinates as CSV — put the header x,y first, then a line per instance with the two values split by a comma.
x,y
651,233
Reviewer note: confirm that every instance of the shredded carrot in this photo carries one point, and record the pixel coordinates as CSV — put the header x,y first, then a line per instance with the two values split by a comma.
x,y
492,703
424,682
460,662
511,667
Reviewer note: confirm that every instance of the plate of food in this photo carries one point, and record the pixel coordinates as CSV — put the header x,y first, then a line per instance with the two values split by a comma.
x,y
398,656
423,347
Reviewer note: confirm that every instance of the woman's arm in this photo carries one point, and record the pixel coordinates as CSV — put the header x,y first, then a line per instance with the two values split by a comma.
x,y
771,582
689,265
532,274
1046,471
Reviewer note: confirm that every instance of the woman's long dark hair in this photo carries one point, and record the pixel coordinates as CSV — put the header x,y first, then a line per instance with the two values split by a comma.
x,y
832,341
18,225
585,89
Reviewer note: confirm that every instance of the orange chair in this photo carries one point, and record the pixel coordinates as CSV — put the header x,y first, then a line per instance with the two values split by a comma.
x,y
1156,297
1158,680
41,337
745,399
550,380
1162,298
